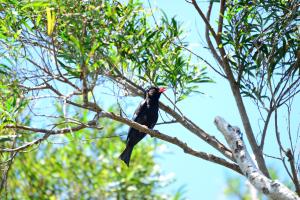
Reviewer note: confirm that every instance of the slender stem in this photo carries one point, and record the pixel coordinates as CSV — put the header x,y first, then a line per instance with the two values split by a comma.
x,y
206,21
207,37
295,179
264,133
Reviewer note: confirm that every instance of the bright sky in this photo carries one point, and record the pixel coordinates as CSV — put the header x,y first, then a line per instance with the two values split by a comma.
x,y
201,179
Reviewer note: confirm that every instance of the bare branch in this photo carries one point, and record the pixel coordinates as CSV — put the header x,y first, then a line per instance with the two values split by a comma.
x,y
167,122
277,133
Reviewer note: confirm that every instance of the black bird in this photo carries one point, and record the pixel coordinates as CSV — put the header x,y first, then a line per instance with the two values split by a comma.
x,y
146,114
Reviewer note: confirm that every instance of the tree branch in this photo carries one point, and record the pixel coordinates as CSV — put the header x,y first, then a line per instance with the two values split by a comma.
x,y
184,121
207,37
206,21
264,133
271,188
220,22
223,61
172,140
47,133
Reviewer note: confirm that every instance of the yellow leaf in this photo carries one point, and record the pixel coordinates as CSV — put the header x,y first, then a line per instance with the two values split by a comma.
x,y
50,20
52,197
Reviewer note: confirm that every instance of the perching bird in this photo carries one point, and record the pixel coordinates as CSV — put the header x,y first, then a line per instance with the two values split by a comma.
x,y
146,114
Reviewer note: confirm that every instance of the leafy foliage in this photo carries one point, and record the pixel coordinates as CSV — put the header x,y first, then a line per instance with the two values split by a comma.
x,y
12,101
264,40
107,38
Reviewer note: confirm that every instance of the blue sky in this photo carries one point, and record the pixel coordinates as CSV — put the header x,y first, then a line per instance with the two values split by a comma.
x,y
202,179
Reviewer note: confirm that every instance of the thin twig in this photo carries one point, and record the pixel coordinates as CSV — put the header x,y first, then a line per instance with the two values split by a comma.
x,y
264,133
294,171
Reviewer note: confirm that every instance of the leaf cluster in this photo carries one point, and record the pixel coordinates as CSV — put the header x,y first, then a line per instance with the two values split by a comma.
x,y
263,40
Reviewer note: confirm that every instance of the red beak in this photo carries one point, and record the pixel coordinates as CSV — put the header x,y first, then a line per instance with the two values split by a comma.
x,y
161,90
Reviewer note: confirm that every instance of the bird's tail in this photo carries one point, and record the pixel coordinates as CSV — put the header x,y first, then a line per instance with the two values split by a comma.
x,y
125,155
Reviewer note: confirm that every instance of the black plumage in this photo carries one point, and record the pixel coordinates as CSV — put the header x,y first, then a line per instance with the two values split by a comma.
x,y
146,114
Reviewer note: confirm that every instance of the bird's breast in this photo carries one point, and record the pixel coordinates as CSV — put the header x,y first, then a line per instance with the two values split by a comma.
x,y
151,117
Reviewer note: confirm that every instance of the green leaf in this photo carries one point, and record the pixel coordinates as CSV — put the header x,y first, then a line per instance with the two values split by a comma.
x,y
35,4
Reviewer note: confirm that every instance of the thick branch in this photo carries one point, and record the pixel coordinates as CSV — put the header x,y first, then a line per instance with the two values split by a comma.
x,y
172,140
183,120
271,188
220,22
247,126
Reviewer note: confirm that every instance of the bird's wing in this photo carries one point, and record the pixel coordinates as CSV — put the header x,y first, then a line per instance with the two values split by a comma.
x,y
153,122
137,117
154,117
146,115
139,112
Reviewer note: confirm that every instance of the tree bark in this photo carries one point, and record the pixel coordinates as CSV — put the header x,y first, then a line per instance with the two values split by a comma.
x,y
271,188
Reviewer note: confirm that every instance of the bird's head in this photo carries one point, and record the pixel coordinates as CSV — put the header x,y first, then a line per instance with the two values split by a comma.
x,y
154,92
